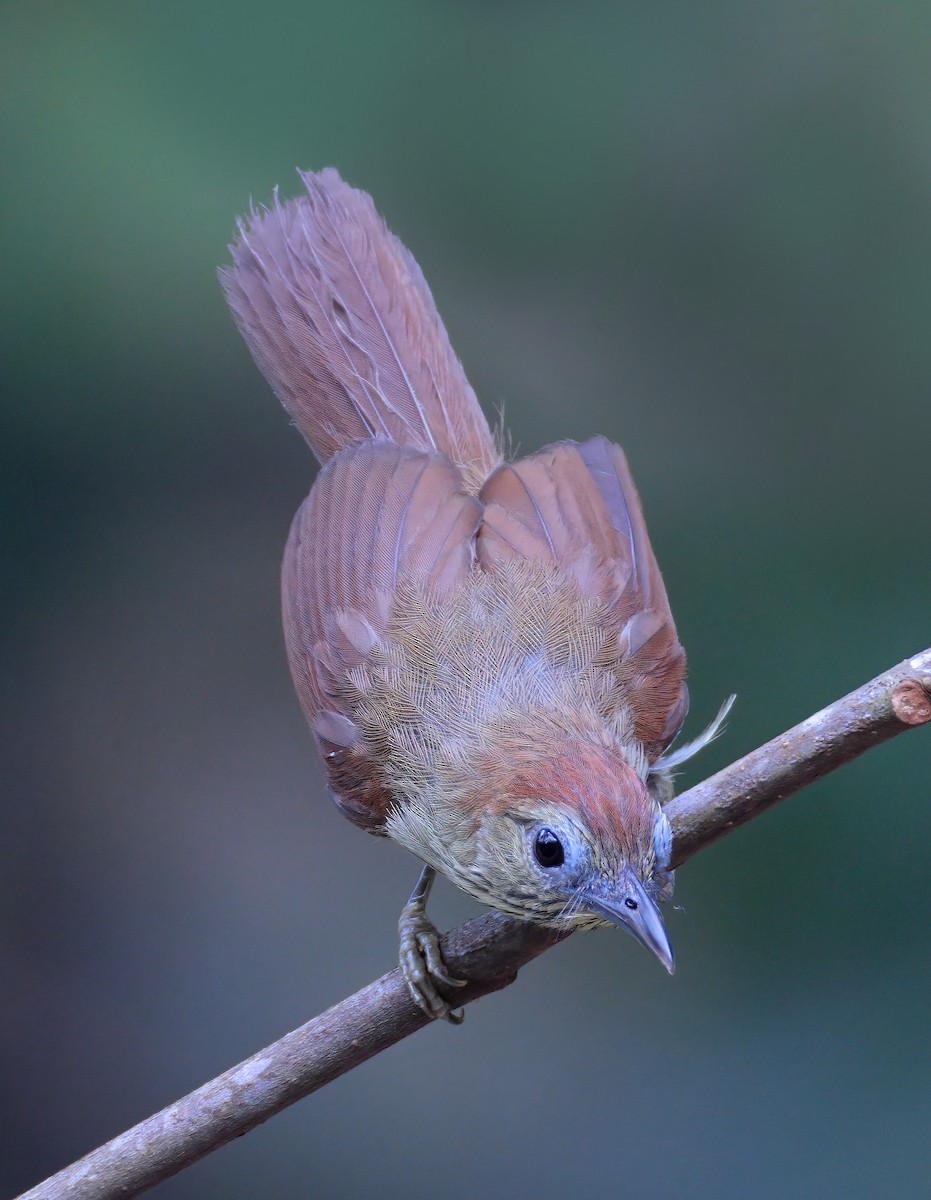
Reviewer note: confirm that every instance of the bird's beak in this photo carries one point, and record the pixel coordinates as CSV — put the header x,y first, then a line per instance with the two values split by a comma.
x,y
629,906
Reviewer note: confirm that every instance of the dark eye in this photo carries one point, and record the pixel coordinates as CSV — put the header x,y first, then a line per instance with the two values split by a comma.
x,y
631,903
547,849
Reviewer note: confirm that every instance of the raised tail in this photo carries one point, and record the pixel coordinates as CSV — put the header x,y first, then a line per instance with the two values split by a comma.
x,y
338,317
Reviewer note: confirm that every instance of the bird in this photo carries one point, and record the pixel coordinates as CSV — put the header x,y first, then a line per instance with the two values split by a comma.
x,y
483,647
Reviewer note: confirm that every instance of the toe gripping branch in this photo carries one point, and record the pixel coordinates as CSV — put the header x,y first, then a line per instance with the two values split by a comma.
x,y
421,961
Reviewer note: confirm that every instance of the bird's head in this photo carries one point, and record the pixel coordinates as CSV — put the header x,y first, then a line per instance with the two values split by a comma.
x,y
577,840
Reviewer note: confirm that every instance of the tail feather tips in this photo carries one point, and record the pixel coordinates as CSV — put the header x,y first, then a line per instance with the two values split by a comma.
x,y
338,317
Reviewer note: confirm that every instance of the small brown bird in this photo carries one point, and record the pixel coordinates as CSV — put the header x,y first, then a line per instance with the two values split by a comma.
x,y
484,649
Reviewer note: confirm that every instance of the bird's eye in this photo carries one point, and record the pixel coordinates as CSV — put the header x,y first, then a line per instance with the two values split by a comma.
x,y
547,849
631,903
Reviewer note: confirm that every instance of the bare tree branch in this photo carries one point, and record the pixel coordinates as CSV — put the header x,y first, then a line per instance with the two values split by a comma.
x,y
488,952
887,705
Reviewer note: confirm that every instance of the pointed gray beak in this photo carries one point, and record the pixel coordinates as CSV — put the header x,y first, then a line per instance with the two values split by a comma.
x,y
629,906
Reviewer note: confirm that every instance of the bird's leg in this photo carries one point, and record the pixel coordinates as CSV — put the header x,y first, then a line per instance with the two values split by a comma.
x,y
421,962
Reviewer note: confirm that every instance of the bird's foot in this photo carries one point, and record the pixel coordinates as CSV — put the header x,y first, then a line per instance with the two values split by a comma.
x,y
421,961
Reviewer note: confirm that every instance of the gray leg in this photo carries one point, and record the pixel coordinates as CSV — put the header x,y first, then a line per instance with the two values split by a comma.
x,y
421,961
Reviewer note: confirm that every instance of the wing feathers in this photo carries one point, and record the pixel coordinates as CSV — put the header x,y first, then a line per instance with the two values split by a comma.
x,y
610,473
576,506
376,512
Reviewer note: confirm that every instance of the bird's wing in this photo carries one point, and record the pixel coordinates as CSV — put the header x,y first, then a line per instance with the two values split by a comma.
x,y
377,512
575,505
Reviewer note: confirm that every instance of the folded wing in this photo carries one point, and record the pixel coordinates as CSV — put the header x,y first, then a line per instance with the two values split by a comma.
x,y
377,511
575,505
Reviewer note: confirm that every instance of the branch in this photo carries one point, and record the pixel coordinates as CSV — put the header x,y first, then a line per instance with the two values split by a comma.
x,y
488,952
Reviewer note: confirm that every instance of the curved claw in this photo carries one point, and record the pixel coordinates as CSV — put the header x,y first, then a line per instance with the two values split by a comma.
x,y
420,959
429,944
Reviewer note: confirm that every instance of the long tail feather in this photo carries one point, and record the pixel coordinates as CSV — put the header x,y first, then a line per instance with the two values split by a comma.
x,y
338,317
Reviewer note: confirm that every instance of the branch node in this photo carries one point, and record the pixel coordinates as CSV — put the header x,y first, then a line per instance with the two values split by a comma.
x,y
911,702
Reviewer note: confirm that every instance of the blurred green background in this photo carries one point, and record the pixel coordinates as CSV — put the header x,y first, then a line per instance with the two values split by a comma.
x,y
701,229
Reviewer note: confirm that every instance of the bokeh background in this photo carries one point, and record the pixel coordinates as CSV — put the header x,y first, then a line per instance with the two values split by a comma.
x,y
701,229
